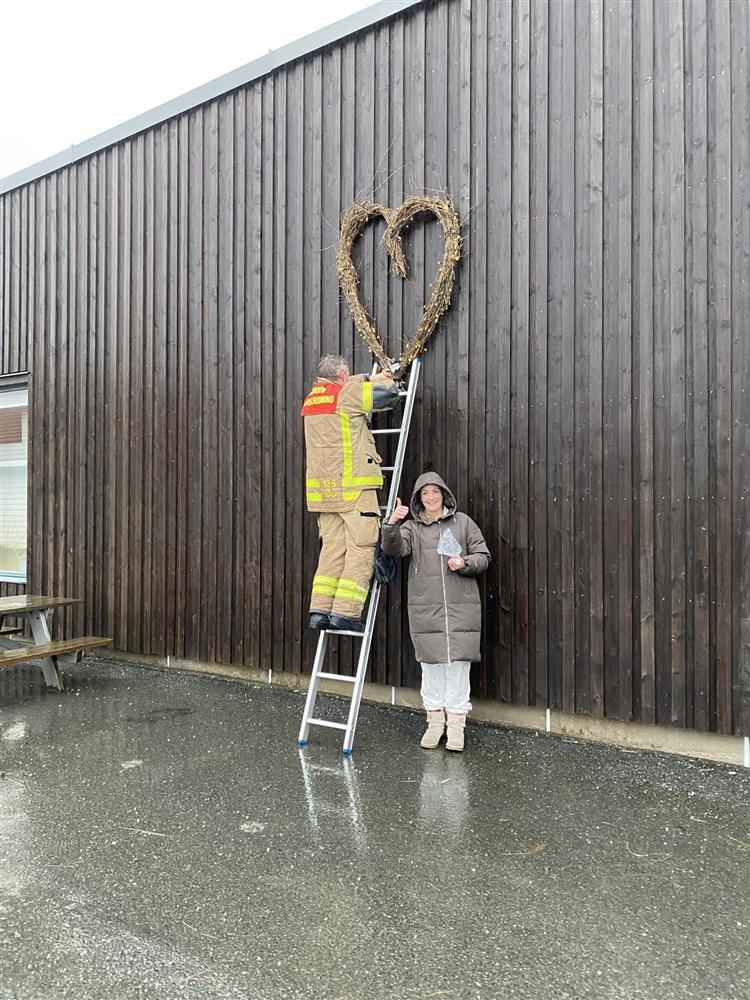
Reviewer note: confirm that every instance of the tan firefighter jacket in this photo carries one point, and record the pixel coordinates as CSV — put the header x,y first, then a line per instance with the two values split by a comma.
x,y
342,459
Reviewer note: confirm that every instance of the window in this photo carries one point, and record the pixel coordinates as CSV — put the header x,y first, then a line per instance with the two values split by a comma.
x,y
14,441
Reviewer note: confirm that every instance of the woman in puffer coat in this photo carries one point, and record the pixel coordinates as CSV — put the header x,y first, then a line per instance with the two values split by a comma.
x,y
445,612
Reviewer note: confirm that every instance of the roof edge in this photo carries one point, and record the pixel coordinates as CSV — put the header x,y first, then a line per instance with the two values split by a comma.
x,y
370,16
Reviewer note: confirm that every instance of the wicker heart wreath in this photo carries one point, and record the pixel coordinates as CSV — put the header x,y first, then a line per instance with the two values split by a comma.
x,y
397,219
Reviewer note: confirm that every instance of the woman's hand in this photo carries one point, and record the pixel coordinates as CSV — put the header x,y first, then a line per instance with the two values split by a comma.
x,y
456,563
399,512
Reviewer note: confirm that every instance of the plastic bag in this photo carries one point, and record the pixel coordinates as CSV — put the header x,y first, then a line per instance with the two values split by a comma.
x,y
448,546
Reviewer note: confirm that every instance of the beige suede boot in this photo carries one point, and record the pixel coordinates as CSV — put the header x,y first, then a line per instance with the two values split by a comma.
x,y
435,729
456,725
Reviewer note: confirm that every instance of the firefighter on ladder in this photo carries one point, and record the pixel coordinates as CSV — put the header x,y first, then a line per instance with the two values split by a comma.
x,y
342,479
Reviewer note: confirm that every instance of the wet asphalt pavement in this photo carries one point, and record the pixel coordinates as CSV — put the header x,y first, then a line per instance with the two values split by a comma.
x,y
162,835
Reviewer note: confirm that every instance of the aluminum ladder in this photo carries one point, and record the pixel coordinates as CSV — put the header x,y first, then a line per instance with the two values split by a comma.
x,y
358,680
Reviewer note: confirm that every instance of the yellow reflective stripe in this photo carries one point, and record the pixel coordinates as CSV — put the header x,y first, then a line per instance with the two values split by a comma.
x,y
350,587
350,495
346,444
352,584
326,579
325,590
367,397
314,497
365,480
312,482
349,597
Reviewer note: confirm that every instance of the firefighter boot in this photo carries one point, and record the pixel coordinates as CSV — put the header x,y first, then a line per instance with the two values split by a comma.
x,y
340,623
435,729
456,725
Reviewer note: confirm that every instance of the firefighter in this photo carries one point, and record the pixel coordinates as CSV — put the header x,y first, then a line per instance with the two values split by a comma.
x,y
342,479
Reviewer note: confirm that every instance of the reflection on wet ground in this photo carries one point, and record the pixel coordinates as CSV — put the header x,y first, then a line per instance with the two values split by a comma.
x,y
162,835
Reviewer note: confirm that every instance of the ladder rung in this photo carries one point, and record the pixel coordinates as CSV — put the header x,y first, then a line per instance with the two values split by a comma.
x,y
387,468
403,392
338,677
341,631
327,724
388,430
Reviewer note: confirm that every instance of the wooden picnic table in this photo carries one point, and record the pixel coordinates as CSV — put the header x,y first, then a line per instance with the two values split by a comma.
x,y
37,611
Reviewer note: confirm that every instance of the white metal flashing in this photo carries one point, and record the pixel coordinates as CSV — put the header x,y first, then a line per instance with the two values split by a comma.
x,y
366,18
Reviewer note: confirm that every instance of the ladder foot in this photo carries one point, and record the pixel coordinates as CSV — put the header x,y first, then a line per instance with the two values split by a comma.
x,y
347,752
302,742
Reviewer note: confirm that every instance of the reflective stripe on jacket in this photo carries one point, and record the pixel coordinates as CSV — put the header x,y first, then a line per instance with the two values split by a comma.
x,y
342,459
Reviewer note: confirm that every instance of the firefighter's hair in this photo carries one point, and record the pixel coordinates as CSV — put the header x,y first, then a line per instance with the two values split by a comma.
x,y
330,365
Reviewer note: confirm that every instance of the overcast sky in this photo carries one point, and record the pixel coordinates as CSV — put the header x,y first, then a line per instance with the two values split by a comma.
x,y
73,68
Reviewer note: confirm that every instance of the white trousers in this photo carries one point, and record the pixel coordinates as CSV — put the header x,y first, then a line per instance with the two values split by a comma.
x,y
446,685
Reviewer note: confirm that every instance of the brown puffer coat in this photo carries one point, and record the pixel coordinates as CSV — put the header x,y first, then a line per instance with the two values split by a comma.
x,y
445,612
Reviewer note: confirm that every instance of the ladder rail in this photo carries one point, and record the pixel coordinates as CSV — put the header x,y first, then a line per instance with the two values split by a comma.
x,y
312,691
366,637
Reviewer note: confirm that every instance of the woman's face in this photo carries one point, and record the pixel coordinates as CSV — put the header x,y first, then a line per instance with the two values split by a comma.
x,y
432,499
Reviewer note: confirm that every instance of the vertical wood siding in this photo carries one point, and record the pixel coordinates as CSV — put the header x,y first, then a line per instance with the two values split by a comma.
x,y
587,396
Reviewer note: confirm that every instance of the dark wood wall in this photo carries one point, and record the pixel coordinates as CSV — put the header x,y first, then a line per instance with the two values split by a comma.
x,y
587,396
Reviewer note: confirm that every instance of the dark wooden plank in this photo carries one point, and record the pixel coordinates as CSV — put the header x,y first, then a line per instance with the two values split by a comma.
x,y
554,361
610,362
644,91
567,416
239,645
662,430
77,578
677,375
57,648
625,366
498,348
253,371
16,265
595,378
180,242
39,352
587,303
697,344
96,376
273,567
209,425
110,402
133,538
283,412
740,430
62,496
161,589
394,596
520,352
152,503
226,513
25,603
378,660
193,541
476,500
296,515
720,324
538,339
5,283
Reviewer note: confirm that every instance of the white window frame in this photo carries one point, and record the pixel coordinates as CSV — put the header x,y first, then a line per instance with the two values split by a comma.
x,y
17,380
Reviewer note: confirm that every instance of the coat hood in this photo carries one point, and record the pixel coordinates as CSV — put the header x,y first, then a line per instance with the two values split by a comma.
x,y
431,479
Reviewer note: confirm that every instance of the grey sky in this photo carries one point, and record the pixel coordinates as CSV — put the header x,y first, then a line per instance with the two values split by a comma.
x,y
75,68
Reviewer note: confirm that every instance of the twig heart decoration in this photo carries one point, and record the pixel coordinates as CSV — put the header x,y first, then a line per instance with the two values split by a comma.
x,y
396,220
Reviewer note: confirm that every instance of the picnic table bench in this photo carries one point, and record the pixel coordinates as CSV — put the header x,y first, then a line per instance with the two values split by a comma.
x,y
37,610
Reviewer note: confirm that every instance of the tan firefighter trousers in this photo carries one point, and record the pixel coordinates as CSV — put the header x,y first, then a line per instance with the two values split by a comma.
x,y
347,557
